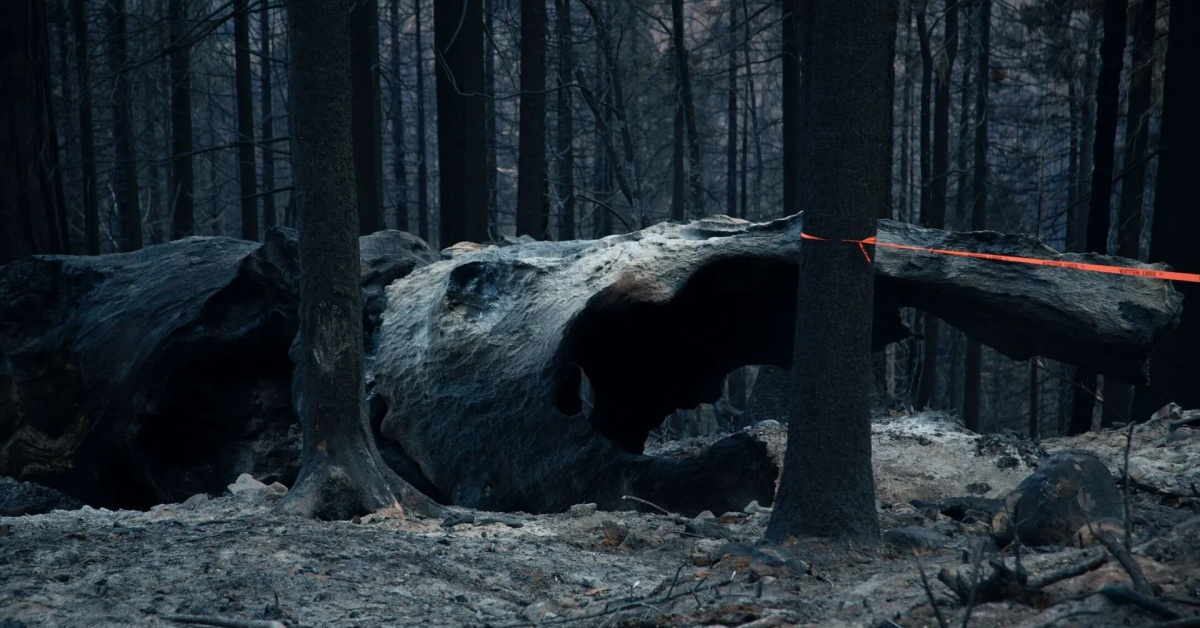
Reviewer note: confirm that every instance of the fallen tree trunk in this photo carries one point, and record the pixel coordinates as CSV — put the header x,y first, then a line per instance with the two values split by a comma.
x,y
527,377
134,379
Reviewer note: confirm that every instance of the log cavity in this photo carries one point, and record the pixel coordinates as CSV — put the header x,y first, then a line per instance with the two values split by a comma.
x,y
645,358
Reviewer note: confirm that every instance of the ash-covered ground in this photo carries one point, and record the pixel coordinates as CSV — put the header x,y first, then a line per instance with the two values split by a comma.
x,y
232,558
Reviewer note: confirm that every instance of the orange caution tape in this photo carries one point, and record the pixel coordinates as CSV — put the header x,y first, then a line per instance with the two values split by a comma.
x,y
1095,268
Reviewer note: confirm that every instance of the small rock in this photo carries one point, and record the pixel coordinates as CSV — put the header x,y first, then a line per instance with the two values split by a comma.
x,y
511,522
582,510
194,501
707,514
633,541
754,508
277,489
614,533
458,518
541,611
246,483
705,552
914,538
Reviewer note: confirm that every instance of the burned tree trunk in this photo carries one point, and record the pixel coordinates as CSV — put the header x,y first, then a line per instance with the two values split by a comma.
x,y
341,473
496,421
31,198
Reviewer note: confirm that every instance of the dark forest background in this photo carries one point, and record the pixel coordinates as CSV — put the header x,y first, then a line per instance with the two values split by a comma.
x,y
135,122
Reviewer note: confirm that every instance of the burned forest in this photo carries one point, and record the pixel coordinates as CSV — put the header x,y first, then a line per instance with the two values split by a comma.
x,y
621,313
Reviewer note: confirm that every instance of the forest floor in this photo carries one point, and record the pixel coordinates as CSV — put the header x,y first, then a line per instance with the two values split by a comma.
x,y
232,557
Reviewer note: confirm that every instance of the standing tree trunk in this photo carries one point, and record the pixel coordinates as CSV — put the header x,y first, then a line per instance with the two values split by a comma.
x,y
341,473
935,217
368,137
422,157
268,121
920,353
1175,368
533,208
1118,395
678,162
32,210
792,121
615,111
848,52
399,169
87,136
182,175
462,159
125,179
489,115
695,166
972,378
245,118
566,123
731,121
1112,50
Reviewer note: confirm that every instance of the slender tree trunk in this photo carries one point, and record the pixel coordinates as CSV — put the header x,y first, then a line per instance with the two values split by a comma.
x,y
462,154
266,87
848,50
566,123
399,168
422,153
791,107
1118,395
533,208
678,162
245,118
32,208
368,131
902,209
751,122
627,175
920,354
87,136
125,179
935,217
731,121
974,373
1112,50
341,473
695,166
489,113
962,192
1175,367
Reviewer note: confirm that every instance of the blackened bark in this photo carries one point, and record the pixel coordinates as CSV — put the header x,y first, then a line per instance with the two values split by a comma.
x,y
458,44
399,167
341,474
974,367
566,123
31,197
489,115
1175,368
1118,395
1112,51
533,208
935,217
847,92
266,85
791,107
925,113
678,163
125,179
87,136
245,118
695,166
422,157
368,138
182,174
731,121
